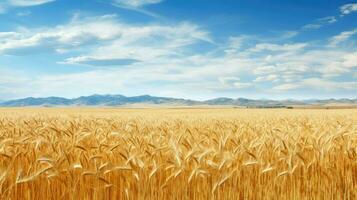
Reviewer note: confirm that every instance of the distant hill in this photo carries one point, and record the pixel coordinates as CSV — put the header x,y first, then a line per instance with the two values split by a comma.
x,y
252,102
120,100
97,100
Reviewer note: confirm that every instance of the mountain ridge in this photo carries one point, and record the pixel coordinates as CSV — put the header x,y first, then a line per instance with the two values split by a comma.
x,y
121,100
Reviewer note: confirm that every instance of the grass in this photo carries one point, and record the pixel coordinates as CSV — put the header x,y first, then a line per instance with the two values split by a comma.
x,y
84,153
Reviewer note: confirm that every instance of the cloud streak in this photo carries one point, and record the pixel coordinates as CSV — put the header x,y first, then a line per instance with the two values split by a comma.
x,y
320,23
136,3
342,37
348,8
26,3
137,6
8,4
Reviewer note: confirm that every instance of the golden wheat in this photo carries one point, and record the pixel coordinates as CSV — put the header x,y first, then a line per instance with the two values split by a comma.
x,y
178,154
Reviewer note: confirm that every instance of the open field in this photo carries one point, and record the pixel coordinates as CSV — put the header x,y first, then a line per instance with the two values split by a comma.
x,y
87,153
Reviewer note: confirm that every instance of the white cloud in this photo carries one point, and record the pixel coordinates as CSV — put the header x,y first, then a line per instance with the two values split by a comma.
x,y
137,6
348,8
278,47
289,34
237,42
105,38
321,22
324,62
98,61
265,69
239,85
228,80
144,43
350,60
286,86
301,59
343,36
137,3
6,35
318,84
7,4
234,82
270,77
25,3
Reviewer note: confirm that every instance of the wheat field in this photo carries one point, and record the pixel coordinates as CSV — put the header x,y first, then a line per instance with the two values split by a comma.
x,y
103,153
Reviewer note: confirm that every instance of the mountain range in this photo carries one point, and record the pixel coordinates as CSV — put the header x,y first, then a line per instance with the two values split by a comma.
x,y
120,100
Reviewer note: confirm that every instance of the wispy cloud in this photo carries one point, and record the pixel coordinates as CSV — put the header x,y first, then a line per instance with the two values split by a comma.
x,y
278,47
286,86
289,34
348,9
350,60
8,4
319,84
343,36
268,78
25,3
233,83
137,6
321,22
136,3
107,40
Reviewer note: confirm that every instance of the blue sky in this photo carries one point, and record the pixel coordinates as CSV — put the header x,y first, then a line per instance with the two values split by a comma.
x,y
197,49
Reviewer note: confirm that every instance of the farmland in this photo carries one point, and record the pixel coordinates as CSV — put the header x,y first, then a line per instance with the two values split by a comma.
x,y
222,153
